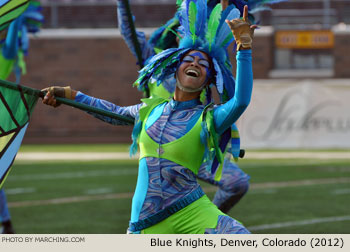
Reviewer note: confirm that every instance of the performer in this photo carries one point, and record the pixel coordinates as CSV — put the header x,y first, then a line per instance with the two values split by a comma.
x,y
176,135
234,183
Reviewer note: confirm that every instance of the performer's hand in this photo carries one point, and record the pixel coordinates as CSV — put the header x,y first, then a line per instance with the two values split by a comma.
x,y
49,99
242,30
52,92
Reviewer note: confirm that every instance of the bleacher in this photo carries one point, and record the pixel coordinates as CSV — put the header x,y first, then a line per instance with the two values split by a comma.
x,y
293,14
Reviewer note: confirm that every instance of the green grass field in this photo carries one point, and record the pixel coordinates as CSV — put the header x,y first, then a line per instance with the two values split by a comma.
x,y
286,195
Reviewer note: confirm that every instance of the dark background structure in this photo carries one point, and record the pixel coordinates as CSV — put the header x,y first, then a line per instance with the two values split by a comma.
x,y
80,46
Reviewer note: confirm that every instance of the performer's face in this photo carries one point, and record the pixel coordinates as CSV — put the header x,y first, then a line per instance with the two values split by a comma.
x,y
194,70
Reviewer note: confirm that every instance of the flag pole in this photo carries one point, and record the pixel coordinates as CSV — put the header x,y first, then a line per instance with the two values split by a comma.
x,y
133,33
135,40
87,108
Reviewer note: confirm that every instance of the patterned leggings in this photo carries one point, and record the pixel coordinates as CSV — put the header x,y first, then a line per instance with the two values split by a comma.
x,y
232,186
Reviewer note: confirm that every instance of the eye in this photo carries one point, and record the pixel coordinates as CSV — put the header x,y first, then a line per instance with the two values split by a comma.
x,y
204,63
188,58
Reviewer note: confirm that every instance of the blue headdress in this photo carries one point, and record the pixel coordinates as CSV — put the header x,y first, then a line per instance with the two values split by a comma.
x,y
210,35
202,28
164,37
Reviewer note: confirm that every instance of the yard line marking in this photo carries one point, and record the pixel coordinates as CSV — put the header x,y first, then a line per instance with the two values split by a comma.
x,y
19,190
299,223
131,171
75,199
89,156
73,175
99,191
341,191
307,182
81,156
295,183
128,195
296,154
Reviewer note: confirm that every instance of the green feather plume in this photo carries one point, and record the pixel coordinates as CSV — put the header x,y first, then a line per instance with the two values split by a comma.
x,y
192,15
178,3
213,24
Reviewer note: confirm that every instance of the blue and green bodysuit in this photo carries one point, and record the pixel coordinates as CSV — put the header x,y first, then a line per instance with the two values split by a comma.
x,y
234,183
168,198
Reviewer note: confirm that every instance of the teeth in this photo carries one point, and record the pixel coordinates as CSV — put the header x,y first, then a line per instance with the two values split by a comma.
x,y
192,72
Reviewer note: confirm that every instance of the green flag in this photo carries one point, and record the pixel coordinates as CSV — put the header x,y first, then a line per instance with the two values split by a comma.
x,y
16,107
11,9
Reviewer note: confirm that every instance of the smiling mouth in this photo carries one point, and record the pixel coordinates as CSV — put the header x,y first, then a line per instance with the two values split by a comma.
x,y
192,73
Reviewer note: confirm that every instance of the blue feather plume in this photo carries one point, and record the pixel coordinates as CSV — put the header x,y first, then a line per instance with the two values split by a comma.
x,y
201,25
219,77
224,34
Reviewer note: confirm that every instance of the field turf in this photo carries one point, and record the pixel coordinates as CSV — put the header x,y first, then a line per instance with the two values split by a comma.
x,y
286,195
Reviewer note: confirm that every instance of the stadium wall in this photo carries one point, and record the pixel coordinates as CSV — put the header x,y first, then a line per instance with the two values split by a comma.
x,y
294,113
98,63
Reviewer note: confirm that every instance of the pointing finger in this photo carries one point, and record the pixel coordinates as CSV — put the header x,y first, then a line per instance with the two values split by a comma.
x,y
245,13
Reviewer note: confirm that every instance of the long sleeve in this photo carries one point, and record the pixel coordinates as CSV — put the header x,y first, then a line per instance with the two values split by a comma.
x,y
228,113
125,30
130,111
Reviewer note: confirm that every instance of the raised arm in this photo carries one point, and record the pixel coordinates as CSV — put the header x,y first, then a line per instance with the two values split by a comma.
x,y
125,29
228,113
225,115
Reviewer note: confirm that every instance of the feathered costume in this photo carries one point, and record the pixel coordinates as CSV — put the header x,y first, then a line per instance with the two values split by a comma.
x,y
211,36
168,198
234,182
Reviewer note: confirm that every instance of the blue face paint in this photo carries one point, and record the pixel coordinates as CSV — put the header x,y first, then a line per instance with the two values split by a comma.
x,y
202,61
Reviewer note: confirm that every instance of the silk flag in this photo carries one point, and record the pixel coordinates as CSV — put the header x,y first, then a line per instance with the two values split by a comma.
x,y
11,9
16,107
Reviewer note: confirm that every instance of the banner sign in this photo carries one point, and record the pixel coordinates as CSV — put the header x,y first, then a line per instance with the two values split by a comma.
x,y
305,114
323,39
